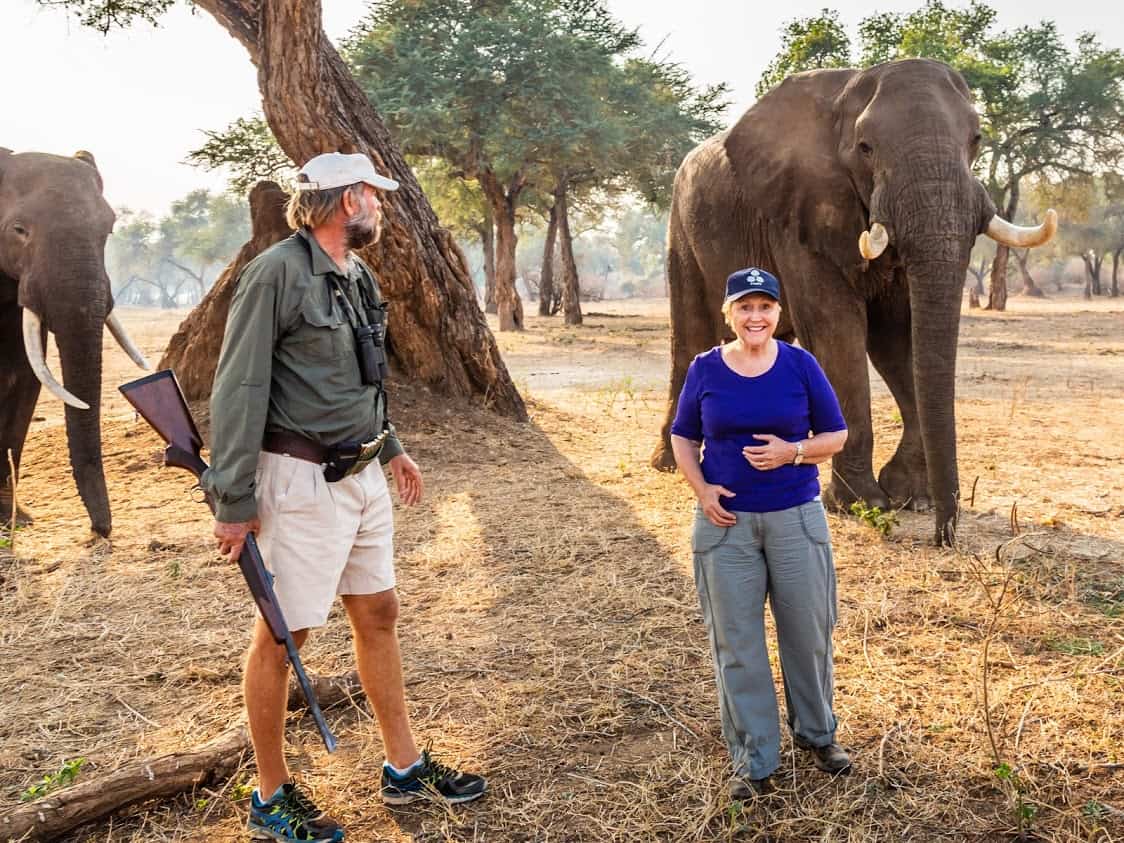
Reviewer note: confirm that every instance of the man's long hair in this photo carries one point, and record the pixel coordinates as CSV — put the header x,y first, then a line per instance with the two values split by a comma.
x,y
312,208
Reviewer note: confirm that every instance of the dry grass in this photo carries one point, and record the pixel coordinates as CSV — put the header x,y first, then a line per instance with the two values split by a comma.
x,y
550,628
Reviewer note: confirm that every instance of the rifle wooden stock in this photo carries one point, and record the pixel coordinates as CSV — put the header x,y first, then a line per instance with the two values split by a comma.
x,y
160,402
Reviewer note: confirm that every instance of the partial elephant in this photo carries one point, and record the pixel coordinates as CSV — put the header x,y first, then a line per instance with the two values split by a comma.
x,y
855,189
53,226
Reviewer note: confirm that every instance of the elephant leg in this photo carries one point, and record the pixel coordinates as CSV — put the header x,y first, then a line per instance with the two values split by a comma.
x,y
693,329
19,393
831,322
890,346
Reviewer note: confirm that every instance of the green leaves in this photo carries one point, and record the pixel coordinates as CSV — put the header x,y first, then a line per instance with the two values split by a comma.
x,y
247,150
105,15
534,92
808,43
52,781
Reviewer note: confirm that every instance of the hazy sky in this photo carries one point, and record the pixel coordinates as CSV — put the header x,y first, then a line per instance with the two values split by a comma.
x,y
139,99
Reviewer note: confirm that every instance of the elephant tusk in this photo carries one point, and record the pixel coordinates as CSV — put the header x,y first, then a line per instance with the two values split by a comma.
x,y
33,345
1023,237
123,340
874,242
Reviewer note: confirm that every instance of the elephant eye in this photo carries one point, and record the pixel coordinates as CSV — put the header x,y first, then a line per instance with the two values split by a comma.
x,y
865,148
977,138
19,229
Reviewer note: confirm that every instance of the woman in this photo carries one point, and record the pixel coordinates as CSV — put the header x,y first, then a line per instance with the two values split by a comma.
x,y
760,529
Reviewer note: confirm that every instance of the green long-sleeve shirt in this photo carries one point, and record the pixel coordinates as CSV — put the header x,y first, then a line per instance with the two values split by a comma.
x,y
288,364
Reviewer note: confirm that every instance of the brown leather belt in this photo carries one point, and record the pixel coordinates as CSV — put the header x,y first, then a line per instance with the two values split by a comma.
x,y
293,445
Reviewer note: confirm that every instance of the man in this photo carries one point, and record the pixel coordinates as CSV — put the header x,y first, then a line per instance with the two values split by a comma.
x,y
297,414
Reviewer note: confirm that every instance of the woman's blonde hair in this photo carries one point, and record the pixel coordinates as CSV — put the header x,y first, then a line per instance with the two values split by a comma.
x,y
311,208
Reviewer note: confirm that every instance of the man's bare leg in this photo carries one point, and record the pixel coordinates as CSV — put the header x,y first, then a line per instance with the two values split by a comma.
x,y
374,620
265,687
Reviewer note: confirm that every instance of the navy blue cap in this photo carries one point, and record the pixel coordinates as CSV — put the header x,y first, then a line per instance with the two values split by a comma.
x,y
752,280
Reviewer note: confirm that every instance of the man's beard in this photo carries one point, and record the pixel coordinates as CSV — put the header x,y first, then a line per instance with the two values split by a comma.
x,y
361,231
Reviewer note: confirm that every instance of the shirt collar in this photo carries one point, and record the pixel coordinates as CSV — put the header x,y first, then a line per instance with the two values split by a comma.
x,y
322,263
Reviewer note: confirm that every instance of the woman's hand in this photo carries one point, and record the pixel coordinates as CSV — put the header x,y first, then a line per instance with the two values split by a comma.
x,y
773,454
709,498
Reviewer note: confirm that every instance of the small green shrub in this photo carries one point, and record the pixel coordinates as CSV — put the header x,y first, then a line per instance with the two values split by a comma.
x,y
66,774
875,517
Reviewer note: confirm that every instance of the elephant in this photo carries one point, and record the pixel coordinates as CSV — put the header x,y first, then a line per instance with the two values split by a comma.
x,y
54,223
854,188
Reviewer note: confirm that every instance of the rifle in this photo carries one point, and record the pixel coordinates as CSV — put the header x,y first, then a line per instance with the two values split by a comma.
x,y
159,400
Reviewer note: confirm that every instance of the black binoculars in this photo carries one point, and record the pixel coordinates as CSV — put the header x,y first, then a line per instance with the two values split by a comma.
x,y
370,346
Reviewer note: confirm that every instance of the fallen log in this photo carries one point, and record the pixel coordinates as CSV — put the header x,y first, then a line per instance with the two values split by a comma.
x,y
153,778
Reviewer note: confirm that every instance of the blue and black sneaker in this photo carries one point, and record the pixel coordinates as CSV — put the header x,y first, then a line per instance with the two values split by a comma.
x,y
429,779
290,815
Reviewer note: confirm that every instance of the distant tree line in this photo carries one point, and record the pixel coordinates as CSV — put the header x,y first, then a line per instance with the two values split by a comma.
x,y
172,261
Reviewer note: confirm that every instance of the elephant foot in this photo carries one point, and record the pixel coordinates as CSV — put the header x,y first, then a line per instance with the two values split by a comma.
x,y
662,458
907,483
845,491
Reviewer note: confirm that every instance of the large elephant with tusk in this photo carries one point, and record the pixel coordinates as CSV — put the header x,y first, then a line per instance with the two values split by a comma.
x,y
856,189
54,223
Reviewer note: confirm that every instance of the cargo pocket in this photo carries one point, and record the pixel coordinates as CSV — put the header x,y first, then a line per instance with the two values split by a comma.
x,y
705,537
814,520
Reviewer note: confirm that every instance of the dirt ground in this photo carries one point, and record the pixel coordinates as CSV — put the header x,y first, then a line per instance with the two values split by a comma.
x,y
550,629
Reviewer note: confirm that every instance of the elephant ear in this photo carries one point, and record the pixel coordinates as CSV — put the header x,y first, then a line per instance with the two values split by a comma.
x,y
785,153
88,157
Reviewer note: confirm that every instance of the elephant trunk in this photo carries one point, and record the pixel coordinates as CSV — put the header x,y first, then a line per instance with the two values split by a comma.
x,y
935,293
936,223
81,357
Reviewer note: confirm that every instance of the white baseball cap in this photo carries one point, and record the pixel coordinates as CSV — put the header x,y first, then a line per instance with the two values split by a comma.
x,y
335,169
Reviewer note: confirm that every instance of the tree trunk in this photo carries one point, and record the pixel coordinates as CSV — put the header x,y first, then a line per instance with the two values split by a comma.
x,y
503,200
1087,293
973,299
488,241
313,105
1115,262
1097,263
193,352
546,277
1029,287
571,290
997,296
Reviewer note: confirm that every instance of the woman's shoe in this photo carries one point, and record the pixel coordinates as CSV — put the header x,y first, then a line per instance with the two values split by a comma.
x,y
743,789
831,758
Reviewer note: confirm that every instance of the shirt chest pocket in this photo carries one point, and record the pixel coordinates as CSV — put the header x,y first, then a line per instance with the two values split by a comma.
x,y
320,335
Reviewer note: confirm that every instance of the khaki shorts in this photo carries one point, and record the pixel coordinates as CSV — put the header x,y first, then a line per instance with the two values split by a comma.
x,y
320,539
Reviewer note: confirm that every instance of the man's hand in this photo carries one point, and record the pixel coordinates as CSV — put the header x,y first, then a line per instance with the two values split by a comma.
x,y
407,478
773,454
232,535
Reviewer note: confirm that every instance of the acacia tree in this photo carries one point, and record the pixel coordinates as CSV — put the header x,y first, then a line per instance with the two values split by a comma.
x,y
808,43
312,105
1093,212
487,87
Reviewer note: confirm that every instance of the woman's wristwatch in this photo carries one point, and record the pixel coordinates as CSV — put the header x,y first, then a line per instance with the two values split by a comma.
x,y
799,458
